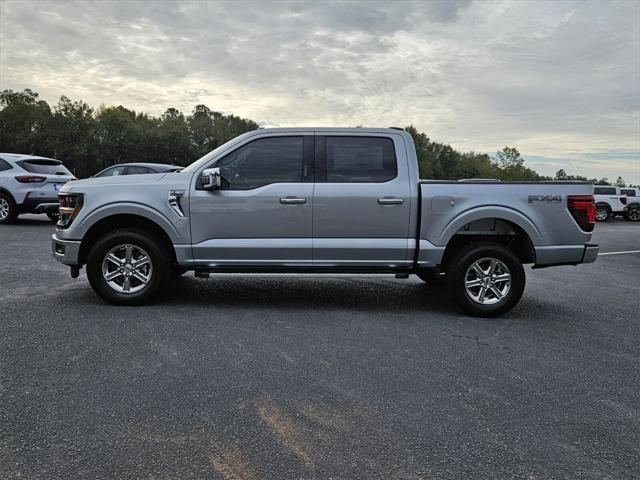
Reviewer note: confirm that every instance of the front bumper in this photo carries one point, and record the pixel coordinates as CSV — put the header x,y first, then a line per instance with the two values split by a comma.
x,y
65,251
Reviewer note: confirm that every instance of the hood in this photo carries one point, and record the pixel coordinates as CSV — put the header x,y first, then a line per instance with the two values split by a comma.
x,y
147,178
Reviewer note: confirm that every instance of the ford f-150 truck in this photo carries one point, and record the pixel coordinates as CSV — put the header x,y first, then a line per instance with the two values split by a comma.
x,y
323,200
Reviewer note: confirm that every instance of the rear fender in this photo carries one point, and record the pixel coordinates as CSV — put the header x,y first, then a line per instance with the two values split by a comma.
x,y
481,213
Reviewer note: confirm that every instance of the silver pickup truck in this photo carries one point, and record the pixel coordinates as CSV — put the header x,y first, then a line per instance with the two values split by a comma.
x,y
321,200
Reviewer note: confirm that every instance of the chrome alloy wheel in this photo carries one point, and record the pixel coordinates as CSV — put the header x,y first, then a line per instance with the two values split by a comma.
x,y
633,215
602,214
127,268
487,281
4,209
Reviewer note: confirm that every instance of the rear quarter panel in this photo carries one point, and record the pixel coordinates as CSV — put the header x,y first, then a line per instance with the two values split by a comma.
x,y
540,209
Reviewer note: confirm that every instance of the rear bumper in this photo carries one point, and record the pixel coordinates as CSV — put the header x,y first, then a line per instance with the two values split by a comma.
x,y
65,251
553,255
590,253
39,205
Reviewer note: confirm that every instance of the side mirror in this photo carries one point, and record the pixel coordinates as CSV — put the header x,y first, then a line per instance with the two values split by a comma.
x,y
211,178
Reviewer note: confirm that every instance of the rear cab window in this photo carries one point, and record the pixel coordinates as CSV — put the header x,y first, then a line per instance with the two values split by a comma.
x,y
44,167
360,159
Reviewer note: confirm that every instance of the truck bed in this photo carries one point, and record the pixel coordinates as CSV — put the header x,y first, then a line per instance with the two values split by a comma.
x,y
539,209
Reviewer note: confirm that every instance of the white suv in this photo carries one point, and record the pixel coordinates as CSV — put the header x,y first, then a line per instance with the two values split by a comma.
x,y
30,184
609,202
633,203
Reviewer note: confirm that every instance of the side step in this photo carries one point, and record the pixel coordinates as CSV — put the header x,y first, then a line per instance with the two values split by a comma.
x,y
201,274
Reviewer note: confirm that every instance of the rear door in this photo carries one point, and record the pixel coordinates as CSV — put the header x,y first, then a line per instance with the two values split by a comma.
x,y
361,202
262,215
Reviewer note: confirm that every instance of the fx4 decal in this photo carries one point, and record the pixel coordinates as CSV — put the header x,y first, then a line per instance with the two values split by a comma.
x,y
545,198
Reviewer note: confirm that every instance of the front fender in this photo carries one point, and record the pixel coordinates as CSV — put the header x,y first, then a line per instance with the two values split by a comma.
x,y
81,225
484,212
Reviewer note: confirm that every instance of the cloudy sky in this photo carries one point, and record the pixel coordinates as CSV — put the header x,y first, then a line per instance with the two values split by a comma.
x,y
560,80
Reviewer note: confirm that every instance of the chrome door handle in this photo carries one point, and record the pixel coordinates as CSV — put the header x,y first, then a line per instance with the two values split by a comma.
x,y
390,201
292,200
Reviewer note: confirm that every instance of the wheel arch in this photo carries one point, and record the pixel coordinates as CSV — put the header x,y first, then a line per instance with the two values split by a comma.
x,y
122,221
7,192
496,230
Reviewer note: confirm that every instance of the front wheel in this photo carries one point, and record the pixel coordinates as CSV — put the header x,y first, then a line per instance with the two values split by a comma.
x,y
128,267
54,217
486,280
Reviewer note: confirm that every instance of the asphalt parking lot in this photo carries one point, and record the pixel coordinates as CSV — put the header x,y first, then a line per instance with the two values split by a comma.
x,y
318,377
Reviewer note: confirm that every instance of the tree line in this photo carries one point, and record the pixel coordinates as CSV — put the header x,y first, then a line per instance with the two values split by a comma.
x,y
88,140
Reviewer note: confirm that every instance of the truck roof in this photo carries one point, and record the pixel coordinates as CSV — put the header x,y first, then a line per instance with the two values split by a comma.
x,y
333,129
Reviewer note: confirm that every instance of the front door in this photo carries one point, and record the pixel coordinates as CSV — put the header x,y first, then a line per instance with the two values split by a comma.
x,y
261,217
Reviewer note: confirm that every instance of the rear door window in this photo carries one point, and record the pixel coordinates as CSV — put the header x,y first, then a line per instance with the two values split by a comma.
x,y
628,193
360,159
44,167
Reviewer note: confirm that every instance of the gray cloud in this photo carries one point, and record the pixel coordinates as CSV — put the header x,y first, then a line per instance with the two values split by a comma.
x,y
561,80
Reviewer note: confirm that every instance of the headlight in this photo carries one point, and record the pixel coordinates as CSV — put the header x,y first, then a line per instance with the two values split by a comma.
x,y
70,205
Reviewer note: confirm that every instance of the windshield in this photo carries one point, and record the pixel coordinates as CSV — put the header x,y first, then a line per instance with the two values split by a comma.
x,y
46,167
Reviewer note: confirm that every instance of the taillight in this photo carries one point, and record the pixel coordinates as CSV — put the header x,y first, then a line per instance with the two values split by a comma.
x,y
623,200
30,179
583,210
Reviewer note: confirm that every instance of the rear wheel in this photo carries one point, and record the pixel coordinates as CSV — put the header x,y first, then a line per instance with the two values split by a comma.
x,y
128,267
8,209
54,217
602,213
633,215
486,280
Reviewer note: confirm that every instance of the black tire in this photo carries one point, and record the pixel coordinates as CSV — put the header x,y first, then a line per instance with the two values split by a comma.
x,y
432,277
9,211
633,215
160,274
602,213
458,272
54,217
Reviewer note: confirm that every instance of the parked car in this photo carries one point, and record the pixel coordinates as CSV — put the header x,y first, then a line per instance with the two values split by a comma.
x,y
324,201
136,169
30,184
609,202
633,203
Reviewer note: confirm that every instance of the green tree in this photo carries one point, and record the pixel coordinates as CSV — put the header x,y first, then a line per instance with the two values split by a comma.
x,y
72,136
561,175
24,122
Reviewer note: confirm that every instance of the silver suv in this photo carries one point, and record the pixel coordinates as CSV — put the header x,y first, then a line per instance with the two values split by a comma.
x,y
30,184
